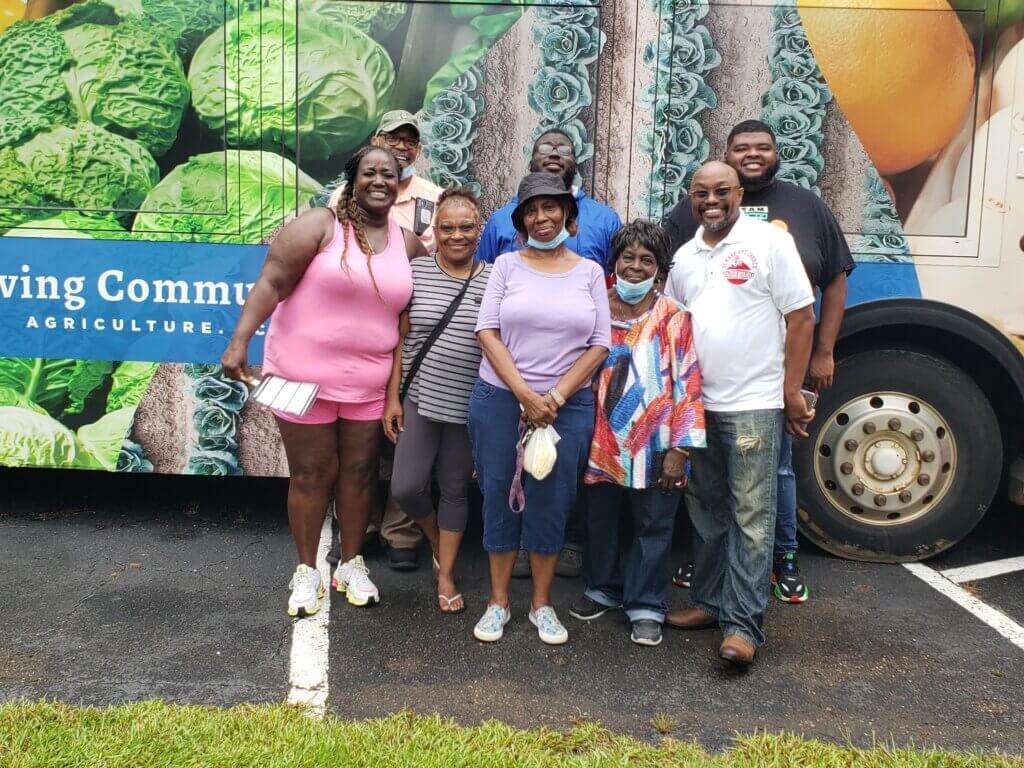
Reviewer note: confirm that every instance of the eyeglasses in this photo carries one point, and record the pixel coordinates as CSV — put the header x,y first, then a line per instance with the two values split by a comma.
x,y
703,194
393,141
463,229
562,149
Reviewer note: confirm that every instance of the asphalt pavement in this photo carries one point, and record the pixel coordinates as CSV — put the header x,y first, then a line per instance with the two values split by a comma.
x,y
119,588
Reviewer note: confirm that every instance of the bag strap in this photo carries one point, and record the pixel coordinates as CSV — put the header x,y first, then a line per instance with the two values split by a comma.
x,y
435,333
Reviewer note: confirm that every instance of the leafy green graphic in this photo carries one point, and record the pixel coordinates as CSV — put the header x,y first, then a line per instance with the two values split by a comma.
x,y
291,80
258,188
89,167
67,413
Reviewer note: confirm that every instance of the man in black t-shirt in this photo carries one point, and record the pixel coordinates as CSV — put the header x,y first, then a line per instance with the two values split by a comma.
x,y
751,150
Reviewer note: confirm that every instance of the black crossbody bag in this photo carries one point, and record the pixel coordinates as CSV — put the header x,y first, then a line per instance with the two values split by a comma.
x,y
435,333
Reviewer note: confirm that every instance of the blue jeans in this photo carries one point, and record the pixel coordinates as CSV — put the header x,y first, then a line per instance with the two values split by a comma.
x,y
785,520
732,498
640,586
493,433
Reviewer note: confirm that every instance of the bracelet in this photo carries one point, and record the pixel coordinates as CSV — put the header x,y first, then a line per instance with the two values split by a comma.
x,y
556,396
680,450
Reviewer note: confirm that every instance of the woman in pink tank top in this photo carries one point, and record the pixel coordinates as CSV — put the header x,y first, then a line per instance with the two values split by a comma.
x,y
335,283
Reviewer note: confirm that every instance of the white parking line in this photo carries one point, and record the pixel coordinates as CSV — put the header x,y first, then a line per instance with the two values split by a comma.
x,y
995,618
984,570
307,668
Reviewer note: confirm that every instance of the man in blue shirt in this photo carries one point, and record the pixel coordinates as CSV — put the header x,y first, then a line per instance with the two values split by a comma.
x,y
554,152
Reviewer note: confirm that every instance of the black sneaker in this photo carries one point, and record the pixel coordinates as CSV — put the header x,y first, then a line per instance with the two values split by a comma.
x,y
570,562
521,569
646,632
787,583
684,576
586,609
402,559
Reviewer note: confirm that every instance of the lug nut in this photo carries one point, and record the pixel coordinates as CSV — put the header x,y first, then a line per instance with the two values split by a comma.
x,y
895,424
869,428
850,445
857,489
846,468
927,456
923,479
879,500
917,435
905,496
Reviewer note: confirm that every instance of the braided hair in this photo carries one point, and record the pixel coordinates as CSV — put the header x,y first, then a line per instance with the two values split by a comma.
x,y
349,212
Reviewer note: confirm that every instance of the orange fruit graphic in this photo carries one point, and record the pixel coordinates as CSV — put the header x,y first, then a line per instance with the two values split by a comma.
x,y
10,12
902,71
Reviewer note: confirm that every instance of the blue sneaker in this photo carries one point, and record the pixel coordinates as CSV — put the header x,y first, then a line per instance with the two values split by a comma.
x,y
549,628
491,626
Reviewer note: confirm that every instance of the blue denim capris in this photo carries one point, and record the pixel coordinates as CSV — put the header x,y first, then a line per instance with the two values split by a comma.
x,y
493,433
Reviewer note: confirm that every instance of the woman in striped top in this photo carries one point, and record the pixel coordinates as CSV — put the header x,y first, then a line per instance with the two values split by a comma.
x,y
428,425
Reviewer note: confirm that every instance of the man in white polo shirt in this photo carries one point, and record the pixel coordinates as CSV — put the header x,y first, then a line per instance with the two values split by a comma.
x,y
751,306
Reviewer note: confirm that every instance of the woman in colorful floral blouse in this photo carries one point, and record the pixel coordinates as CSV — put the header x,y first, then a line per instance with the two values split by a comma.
x,y
648,415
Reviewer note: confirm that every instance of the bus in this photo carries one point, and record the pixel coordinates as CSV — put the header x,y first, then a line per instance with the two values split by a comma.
x,y
148,149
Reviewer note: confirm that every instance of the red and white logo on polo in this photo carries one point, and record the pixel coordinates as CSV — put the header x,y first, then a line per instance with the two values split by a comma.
x,y
739,267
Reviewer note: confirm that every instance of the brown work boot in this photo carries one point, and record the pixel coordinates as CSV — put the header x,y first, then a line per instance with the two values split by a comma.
x,y
737,651
690,618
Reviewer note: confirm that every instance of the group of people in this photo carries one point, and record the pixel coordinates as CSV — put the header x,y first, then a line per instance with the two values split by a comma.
x,y
452,339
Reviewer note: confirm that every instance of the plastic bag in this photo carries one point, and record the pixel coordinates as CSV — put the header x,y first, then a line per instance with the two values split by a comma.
x,y
541,452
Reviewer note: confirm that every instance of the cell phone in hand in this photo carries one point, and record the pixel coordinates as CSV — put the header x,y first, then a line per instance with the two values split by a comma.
x,y
811,398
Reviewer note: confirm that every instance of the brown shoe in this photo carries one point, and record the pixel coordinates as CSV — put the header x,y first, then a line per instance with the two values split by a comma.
x,y
690,618
736,651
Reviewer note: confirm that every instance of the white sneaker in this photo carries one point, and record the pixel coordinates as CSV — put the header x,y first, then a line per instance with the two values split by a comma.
x,y
307,589
353,580
491,626
548,626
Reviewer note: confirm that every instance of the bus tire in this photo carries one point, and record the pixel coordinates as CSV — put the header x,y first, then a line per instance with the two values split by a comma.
x,y
903,459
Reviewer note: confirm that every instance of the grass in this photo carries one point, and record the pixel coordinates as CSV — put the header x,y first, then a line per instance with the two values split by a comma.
x,y
158,735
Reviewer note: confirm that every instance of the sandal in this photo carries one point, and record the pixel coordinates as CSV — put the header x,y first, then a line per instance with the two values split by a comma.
x,y
437,564
445,603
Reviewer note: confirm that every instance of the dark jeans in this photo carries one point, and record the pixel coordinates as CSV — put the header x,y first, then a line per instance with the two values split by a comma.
x,y
785,521
732,498
423,444
494,432
576,525
639,584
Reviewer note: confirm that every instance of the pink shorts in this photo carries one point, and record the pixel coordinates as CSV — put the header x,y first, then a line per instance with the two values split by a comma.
x,y
328,411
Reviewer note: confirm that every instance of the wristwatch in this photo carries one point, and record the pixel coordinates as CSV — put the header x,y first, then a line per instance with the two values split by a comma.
x,y
556,396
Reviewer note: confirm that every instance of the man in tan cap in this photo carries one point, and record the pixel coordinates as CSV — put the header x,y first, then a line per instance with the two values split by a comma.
x,y
399,132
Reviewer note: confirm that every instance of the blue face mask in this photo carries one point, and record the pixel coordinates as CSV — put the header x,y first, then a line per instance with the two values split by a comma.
x,y
408,172
633,293
551,244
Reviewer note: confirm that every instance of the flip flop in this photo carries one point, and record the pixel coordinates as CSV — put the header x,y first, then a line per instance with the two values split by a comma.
x,y
447,608
437,564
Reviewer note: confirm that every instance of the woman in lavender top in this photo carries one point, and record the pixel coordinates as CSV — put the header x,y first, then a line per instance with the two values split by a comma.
x,y
544,327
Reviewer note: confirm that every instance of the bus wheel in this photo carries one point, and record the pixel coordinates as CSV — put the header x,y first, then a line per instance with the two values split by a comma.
x,y
903,459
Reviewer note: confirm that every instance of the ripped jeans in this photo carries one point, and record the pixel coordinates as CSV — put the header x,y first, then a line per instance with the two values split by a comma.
x,y
732,501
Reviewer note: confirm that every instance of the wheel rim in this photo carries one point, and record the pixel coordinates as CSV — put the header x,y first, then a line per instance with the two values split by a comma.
x,y
885,458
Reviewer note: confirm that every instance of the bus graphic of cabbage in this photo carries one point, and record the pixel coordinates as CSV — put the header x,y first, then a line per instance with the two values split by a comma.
x,y
86,64
224,197
309,83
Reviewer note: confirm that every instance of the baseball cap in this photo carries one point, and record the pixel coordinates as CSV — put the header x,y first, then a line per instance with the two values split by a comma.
x,y
395,119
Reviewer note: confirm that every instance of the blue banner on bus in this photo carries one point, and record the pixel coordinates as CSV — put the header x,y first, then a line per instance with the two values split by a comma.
x,y
117,300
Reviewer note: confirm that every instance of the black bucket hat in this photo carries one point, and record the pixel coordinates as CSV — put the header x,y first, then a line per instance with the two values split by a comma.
x,y
541,184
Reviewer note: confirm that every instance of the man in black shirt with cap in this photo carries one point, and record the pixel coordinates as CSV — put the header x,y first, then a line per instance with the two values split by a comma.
x,y
752,151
